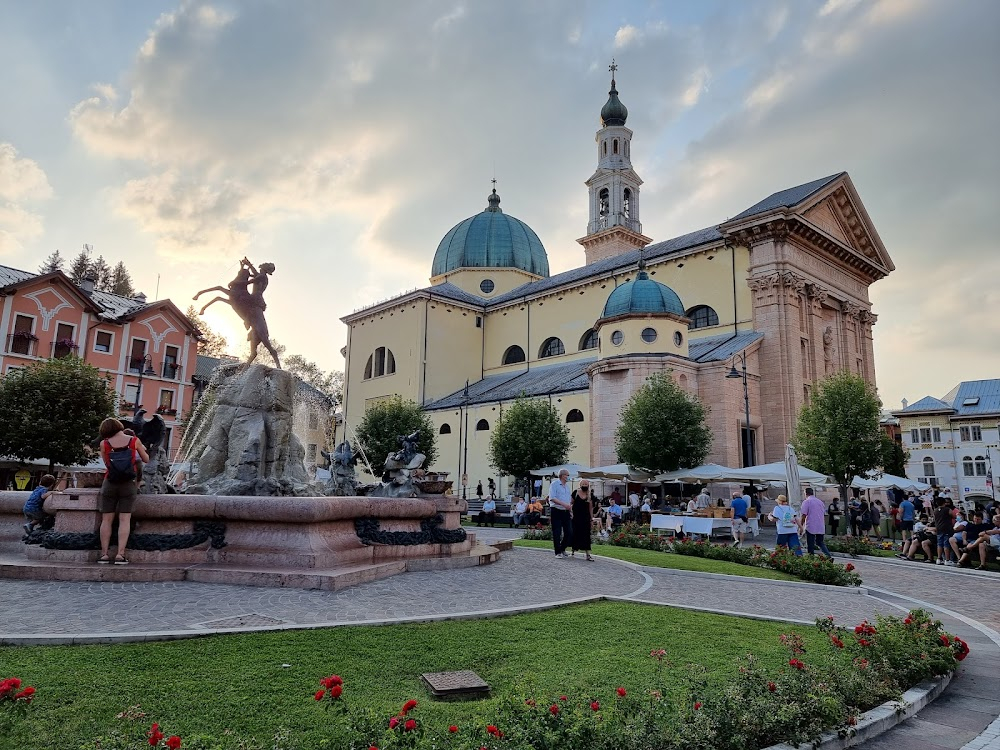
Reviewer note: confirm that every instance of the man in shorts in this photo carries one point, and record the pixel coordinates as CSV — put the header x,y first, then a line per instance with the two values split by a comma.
x,y
907,515
738,509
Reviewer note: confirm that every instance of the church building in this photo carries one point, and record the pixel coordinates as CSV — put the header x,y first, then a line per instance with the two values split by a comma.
x,y
779,292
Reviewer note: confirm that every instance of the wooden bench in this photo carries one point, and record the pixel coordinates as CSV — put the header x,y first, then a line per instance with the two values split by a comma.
x,y
504,515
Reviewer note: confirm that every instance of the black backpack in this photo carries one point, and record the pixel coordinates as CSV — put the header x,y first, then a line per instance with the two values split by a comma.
x,y
121,463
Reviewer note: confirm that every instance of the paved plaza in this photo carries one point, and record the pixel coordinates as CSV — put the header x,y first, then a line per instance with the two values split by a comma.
x,y
60,612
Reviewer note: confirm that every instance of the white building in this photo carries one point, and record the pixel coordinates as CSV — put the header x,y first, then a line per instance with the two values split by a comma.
x,y
953,440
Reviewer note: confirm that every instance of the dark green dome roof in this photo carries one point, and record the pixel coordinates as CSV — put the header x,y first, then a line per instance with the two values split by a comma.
x,y
491,239
643,297
613,112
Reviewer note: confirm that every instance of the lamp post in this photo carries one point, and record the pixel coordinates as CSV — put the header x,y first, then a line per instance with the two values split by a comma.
x,y
465,441
748,452
145,369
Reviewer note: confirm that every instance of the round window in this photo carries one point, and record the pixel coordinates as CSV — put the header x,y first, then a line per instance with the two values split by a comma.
x,y
617,338
649,335
486,286
678,339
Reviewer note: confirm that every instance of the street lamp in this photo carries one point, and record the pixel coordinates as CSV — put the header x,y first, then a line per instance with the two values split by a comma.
x,y
145,369
748,448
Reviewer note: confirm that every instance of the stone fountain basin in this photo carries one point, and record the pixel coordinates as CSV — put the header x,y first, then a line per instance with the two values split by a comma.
x,y
282,532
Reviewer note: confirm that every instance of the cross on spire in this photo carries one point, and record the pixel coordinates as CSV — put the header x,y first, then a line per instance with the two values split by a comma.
x,y
494,181
613,67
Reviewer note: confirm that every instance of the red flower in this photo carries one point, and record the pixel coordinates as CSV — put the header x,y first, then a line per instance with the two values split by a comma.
x,y
372,747
863,642
945,640
908,621
331,681
173,742
453,729
563,698
621,692
491,729
531,702
393,722
697,705
409,706
836,641
319,695
410,725
553,709
595,706
772,687
155,735
798,664
849,567
336,691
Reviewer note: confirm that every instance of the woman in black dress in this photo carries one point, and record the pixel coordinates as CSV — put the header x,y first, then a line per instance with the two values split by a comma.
x,y
582,519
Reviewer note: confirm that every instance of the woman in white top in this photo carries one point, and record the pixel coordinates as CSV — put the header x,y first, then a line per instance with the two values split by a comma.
x,y
787,522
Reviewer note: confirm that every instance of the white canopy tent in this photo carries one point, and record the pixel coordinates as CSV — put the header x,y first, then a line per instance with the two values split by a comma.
x,y
888,480
553,471
621,472
699,475
762,474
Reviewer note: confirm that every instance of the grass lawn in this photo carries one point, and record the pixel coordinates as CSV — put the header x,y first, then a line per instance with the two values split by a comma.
x,y
234,687
670,560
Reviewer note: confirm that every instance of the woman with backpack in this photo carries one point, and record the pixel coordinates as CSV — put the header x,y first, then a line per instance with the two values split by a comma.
x,y
120,452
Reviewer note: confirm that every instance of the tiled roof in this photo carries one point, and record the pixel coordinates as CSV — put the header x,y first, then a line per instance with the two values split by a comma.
x,y
986,391
538,381
626,260
788,198
927,403
721,347
449,290
114,305
10,275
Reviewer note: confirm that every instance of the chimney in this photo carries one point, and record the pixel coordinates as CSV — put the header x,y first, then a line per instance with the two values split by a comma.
x,y
904,403
140,298
87,284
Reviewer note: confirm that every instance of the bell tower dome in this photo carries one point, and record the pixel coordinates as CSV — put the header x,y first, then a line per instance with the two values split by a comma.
x,y
614,225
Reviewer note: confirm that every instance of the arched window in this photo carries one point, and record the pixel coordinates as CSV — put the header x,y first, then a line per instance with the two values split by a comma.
x,y
551,347
703,316
588,340
605,148
513,355
616,146
929,467
627,203
380,363
968,468
445,429
481,425
604,198
575,415
980,466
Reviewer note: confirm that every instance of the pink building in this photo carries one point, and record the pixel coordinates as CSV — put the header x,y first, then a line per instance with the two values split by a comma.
x,y
140,345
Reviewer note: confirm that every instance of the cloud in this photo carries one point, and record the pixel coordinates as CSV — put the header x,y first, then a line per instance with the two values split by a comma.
x,y
22,182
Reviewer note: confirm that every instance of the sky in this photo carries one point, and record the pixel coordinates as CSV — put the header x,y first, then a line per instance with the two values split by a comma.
x,y
342,140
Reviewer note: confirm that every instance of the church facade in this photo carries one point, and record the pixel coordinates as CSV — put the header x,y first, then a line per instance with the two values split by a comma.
x,y
781,288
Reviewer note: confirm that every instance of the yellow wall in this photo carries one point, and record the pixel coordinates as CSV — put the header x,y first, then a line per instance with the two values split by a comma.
x,y
454,349
632,343
470,279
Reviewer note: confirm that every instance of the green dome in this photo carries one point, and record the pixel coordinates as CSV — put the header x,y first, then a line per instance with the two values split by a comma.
x,y
643,297
613,112
491,239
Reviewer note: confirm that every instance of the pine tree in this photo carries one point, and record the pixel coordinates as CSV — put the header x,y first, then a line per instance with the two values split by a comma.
x,y
80,268
121,281
53,263
101,272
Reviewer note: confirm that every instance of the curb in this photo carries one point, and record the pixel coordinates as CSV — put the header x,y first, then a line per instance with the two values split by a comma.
x,y
881,718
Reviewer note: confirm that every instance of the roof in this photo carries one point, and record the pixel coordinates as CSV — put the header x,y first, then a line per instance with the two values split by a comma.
x,y
643,296
506,386
927,403
721,347
985,394
788,198
116,306
491,239
10,276
112,306
629,259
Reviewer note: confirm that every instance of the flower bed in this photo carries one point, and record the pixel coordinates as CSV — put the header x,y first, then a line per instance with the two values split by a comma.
x,y
855,546
815,569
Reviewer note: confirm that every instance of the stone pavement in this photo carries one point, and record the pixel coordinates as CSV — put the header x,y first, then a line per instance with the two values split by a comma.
x,y
522,579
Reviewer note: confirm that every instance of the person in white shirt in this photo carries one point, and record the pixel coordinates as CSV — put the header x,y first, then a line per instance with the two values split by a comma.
x,y
560,504
520,511
489,512
692,505
787,522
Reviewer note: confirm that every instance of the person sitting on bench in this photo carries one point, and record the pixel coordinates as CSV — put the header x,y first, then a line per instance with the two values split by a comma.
x,y
520,511
535,510
489,512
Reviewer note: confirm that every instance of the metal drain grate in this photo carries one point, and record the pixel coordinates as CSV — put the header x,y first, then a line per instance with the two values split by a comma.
x,y
251,620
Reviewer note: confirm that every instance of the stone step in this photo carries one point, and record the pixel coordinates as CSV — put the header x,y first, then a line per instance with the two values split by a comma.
x,y
480,554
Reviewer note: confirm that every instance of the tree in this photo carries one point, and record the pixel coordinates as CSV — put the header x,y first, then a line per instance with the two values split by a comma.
x,y
120,281
212,344
101,273
663,428
385,421
894,458
53,263
838,431
330,383
529,435
80,267
52,410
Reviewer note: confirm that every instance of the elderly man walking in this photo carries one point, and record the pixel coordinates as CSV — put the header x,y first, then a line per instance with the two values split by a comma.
x,y
560,503
813,521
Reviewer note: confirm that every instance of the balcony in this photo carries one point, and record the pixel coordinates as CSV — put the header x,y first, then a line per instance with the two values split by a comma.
x,y
171,371
24,343
166,411
64,348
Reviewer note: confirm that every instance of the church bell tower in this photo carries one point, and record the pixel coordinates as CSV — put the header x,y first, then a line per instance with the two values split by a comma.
x,y
614,226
